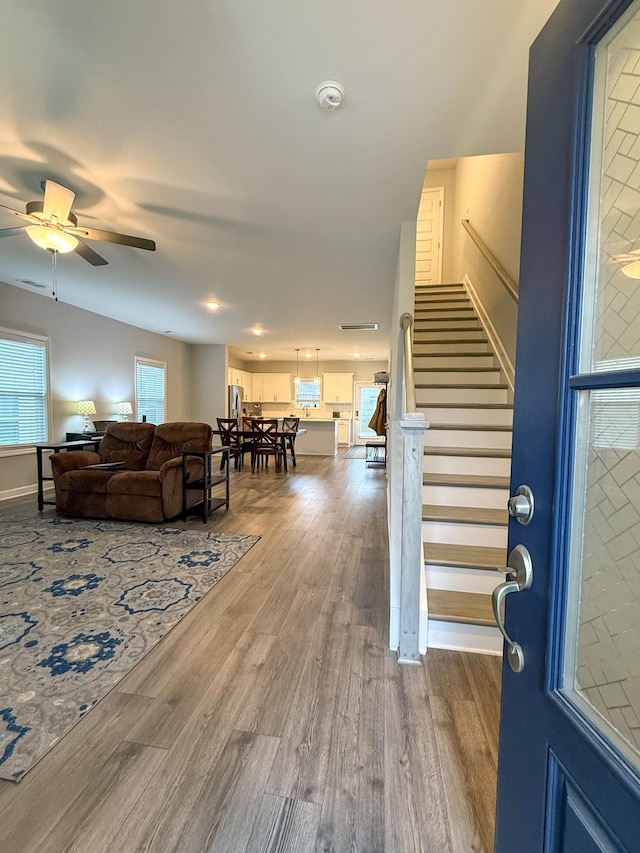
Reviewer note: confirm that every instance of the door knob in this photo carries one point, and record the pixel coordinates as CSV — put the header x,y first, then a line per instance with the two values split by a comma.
x,y
521,577
521,505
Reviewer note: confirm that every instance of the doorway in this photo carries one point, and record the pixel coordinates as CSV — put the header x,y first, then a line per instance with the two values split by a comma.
x,y
366,395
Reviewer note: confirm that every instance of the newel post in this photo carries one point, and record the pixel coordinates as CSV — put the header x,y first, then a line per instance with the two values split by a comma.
x,y
413,426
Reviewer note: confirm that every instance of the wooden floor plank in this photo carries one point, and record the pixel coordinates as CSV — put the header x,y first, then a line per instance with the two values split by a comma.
x,y
274,717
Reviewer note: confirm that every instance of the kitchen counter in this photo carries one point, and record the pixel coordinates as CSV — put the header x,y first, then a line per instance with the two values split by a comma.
x,y
321,438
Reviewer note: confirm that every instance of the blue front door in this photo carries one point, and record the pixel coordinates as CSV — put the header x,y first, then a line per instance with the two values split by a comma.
x,y
570,728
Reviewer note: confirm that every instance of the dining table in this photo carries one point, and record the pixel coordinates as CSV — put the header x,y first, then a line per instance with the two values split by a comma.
x,y
281,434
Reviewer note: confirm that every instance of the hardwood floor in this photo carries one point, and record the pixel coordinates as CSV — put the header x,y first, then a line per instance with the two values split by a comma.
x,y
274,717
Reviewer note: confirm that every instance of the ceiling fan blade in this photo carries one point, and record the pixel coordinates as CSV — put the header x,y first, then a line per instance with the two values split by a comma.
x,y
9,232
88,254
26,216
57,201
113,237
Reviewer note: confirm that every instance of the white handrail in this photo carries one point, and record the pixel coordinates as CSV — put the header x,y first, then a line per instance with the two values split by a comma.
x,y
406,323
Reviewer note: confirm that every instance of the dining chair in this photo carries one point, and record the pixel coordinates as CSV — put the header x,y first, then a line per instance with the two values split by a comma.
x,y
230,437
291,425
266,442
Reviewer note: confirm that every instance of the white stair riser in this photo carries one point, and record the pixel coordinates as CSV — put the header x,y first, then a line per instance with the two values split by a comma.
x,y
467,465
459,377
467,438
429,291
442,304
454,360
458,533
458,415
424,396
426,326
457,636
443,348
463,580
449,314
444,336
465,496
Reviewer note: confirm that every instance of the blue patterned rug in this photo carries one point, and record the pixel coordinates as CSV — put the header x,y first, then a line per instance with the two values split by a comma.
x,y
81,602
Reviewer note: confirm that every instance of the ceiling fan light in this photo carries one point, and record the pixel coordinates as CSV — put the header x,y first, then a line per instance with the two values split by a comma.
x,y
632,270
51,238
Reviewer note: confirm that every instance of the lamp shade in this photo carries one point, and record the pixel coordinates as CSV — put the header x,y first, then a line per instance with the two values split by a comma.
x,y
86,407
51,238
125,408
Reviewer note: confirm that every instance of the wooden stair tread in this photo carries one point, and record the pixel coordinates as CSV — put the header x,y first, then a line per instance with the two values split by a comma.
x,y
454,340
465,514
488,369
468,607
472,427
465,556
464,405
479,386
478,481
491,452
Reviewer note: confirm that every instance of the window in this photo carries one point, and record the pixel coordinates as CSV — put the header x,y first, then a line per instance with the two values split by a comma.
x,y
308,392
24,393
150,390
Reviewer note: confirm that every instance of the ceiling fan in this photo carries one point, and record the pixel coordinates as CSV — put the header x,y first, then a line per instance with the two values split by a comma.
x,y
53,227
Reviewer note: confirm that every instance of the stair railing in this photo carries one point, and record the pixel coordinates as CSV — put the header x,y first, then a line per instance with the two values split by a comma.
x,y
494,263
413,615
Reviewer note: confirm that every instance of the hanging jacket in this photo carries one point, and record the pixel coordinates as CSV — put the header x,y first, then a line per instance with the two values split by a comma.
x,y
379,419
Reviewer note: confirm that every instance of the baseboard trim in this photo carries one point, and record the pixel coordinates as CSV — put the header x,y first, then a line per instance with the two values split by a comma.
x,y
501,354
22,492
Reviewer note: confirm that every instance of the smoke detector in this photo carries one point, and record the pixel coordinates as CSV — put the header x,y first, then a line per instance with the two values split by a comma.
x,y
330,94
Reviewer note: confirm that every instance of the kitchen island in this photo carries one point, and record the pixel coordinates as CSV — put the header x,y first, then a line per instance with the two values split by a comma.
x,y
321,438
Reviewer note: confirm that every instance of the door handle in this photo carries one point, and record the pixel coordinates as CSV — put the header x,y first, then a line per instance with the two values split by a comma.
x,y
521,574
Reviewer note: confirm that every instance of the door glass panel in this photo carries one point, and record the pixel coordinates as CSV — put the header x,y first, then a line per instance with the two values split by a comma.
x,y
612,315
366,408
602,649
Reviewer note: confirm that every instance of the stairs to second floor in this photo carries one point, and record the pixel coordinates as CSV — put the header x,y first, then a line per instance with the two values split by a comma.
x,y
467,458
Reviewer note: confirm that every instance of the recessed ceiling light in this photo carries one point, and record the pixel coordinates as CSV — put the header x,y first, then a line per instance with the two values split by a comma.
x,y
262,355
212,305
258,332
356,355
307,355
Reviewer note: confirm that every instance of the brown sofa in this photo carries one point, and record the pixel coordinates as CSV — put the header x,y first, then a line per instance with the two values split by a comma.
x,y
148,488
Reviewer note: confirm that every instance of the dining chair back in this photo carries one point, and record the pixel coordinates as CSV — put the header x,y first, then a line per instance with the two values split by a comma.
x,y
266,442
291,425
230,437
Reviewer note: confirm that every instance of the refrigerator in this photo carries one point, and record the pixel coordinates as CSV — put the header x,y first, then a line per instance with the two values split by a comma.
x,y
236,398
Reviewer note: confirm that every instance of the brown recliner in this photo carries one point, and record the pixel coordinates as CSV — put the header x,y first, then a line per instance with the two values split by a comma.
x,y
148,488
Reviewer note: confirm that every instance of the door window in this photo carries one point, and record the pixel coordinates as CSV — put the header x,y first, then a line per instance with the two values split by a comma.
x,y
602,656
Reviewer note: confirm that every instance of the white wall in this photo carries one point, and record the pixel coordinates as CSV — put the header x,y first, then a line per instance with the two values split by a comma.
x,y
489,194
91,358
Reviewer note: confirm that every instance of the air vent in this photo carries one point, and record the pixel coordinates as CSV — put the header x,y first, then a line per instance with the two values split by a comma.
x,y
359,327
31,283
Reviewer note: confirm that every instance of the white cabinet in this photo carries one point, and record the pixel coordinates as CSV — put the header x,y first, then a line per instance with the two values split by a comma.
x,y
247,383
344,431
337,387
272,387
234,376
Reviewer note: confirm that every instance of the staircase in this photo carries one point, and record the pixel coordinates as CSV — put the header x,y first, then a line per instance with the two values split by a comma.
x,y
462,392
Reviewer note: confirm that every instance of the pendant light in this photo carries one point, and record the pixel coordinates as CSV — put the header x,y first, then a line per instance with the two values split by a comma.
x,y
297,376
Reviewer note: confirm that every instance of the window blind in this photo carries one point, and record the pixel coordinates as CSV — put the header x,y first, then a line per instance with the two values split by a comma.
x,y
24,405
150,391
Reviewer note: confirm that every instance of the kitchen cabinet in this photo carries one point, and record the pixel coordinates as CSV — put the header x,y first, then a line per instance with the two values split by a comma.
x,y
337,387
234,376
247,384
344,431
272,387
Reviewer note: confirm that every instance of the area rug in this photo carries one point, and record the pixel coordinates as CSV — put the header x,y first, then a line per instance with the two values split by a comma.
x,y
355,452
81,602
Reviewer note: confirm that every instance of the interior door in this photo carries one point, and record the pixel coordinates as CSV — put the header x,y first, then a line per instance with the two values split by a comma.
x,y
366,396
429,231
570,726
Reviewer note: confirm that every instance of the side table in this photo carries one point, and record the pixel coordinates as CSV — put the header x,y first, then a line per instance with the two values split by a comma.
x,y
56,447
206,503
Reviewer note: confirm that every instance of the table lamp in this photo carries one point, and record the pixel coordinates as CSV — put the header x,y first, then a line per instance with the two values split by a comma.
x,y
86,408
125,409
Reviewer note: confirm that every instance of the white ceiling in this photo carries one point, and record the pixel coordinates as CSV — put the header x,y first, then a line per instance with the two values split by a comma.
x,y
195,124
